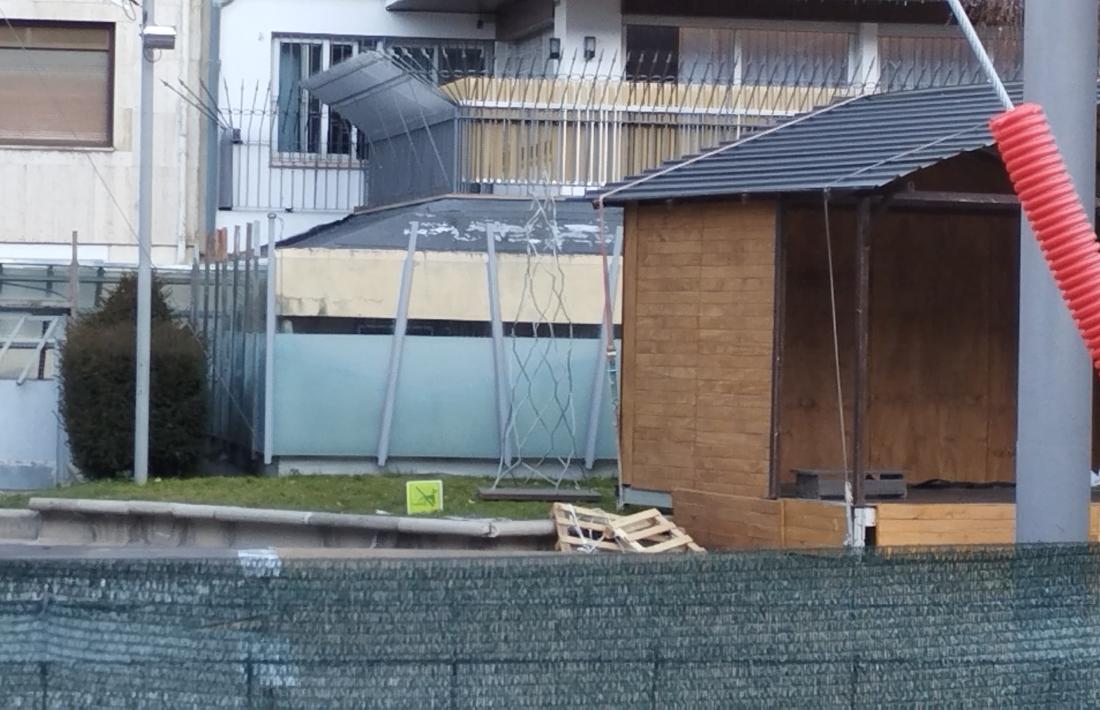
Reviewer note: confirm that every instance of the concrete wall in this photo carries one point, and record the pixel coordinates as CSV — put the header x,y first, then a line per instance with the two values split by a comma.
x,y
576,19
361,283
49,192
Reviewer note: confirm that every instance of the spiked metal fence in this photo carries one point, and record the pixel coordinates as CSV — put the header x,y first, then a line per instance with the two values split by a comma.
x,y
576,123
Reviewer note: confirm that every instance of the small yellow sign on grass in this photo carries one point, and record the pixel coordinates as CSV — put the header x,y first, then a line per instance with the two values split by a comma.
x,y
424,497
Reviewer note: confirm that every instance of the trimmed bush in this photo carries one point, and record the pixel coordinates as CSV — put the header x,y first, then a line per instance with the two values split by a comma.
x,y
97,381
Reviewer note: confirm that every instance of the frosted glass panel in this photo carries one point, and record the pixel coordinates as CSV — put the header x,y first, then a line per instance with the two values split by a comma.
x,y
329,392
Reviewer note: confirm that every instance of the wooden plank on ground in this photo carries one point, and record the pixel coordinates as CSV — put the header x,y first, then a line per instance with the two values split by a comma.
x,y
568,495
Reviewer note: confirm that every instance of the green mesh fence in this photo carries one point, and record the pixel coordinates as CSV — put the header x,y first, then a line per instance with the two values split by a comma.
x,y
977,628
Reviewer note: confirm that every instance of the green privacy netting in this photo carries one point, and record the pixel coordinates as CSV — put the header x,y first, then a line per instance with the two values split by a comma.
x,y
963,628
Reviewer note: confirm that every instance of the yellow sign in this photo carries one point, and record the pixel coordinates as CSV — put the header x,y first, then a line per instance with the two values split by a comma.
x,y
424,497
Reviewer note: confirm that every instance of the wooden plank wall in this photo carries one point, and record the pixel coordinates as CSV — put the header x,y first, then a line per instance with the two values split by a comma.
x,y
813,523
697,355
942,357
955,524
725,522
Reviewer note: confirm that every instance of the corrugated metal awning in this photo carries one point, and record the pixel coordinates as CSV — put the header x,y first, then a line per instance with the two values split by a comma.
x,y
380,97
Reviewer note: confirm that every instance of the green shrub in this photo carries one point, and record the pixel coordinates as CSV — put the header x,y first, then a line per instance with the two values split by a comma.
x,y
97,381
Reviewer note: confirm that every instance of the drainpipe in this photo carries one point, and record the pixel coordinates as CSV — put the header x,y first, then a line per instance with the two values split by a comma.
x,y
213,78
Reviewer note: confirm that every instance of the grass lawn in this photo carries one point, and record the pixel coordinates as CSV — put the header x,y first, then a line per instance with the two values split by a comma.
x,y
337,494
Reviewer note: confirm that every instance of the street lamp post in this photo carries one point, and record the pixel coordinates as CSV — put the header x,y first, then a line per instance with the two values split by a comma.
x,y
153,38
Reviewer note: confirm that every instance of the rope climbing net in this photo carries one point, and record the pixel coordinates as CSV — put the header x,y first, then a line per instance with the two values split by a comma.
x,y
542,420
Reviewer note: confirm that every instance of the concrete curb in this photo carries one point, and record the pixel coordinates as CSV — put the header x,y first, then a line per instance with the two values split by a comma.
x,y
148,522
234,514
18,525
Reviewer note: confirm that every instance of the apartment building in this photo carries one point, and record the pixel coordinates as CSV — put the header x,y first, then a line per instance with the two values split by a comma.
x,y
69,98
565,94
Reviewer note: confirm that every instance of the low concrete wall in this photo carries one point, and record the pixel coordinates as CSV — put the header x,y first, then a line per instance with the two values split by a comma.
x,y
109,522
18,525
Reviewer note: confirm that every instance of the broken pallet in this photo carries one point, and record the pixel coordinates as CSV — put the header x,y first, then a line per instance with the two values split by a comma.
x,y
594,530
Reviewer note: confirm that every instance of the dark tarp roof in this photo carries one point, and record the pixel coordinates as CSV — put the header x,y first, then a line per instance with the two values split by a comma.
x,y
860,143
457,223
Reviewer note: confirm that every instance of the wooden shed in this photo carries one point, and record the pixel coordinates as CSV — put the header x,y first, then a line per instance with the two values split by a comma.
x,y
834,297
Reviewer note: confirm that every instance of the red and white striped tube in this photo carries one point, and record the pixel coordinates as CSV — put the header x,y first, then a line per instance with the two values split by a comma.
x,y
1055,212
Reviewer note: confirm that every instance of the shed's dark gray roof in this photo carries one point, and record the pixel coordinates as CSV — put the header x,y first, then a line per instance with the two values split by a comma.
x,y
861,143
457,223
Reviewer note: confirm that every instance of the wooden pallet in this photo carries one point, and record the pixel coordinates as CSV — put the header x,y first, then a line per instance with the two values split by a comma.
x,y
594,530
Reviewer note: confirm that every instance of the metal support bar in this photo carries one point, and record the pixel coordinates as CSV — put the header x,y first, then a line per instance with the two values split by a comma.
x,y
193,314
269,345
215,350
46,335
859,386
74,281
251,229
11,338
232,417
500,376
401,323
206,295
600,375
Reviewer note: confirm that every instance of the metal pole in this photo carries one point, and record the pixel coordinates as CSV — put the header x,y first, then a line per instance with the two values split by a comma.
x,y
74,282
269,345
1054,405
400,325
246,335
600,376
500,376
978,48
145,266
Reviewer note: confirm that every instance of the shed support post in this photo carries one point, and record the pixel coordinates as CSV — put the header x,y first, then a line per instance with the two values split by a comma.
x,y
607,339
400,325
500,371
859,387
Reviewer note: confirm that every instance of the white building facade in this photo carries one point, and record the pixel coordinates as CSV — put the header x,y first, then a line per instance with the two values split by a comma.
x,y
69,100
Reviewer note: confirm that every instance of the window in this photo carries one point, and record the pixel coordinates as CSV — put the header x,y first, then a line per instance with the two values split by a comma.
x,y
741,55
439,62
793,58
652,52
56,83
911,61
305,126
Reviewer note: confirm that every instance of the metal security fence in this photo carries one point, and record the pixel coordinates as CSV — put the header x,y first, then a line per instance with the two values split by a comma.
x,y
573,122
37,302
233,294
946,628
